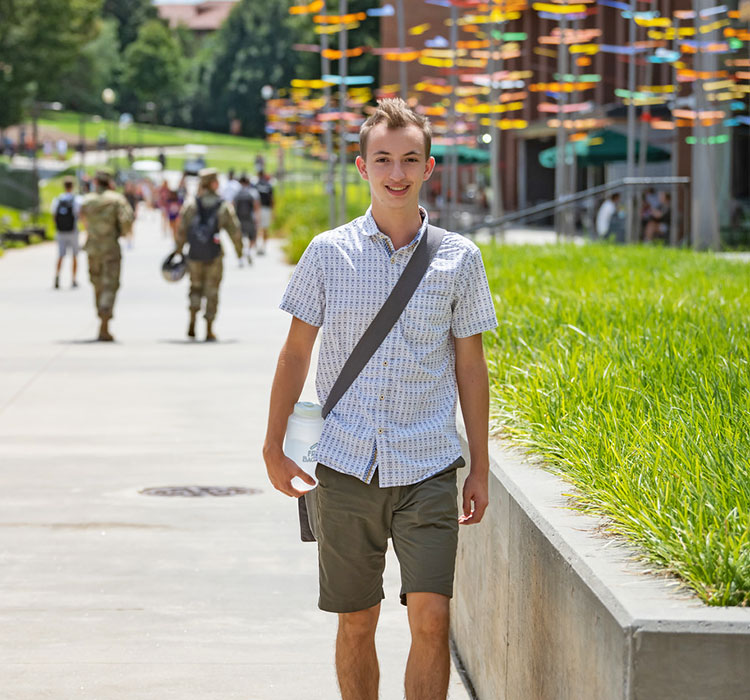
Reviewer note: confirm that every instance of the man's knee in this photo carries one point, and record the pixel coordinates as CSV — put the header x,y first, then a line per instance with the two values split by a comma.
x,y
360,624
429,614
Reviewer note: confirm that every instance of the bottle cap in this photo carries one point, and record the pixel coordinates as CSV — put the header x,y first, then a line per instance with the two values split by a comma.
x,y
308,409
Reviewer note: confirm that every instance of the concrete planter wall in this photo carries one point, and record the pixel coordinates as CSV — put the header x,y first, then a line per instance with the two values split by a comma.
x,y
547,609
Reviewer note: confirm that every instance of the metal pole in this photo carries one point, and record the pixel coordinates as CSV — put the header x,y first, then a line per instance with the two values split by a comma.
x,y
454,146
522,184
560,184
82,148
705,221
402,79
571,157
643,139
497,65
629,208
325,68
343,45
674,220
35,148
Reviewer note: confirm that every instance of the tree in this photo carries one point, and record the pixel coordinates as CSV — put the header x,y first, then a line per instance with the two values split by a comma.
x,y
154,70
39,39
129,15
96,67
252,49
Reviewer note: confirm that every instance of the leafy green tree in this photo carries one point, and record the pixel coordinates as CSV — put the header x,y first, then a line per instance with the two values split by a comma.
x,y
39,39
129,15
252,49
96,67
154,71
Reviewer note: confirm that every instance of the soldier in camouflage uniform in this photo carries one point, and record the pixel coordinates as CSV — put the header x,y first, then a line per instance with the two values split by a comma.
x,y
106,215
205,275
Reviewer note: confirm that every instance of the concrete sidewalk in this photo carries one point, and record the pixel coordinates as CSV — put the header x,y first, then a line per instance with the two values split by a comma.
x,y
111,594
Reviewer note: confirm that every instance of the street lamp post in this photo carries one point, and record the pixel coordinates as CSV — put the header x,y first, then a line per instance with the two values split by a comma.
x,y
108,97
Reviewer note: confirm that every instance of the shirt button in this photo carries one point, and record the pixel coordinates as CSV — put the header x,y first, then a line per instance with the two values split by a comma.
x,y
385,364
382,397
380,430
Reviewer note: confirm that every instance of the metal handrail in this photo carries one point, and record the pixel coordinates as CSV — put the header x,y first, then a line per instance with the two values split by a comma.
x,y
567,200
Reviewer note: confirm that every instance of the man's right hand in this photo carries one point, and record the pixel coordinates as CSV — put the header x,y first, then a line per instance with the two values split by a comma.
x,y
281,470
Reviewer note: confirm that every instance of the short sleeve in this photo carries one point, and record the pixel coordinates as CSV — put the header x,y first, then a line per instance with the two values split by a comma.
x,y
304,297
125,215
473,310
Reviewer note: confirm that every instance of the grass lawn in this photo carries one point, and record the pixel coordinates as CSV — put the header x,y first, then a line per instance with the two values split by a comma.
x,y
301,212
141,134
627,369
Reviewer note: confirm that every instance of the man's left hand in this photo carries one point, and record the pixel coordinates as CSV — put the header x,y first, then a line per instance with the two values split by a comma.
x,y
476,498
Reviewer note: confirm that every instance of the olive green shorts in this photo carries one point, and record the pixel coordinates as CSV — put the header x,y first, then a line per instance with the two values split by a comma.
x,y
352,522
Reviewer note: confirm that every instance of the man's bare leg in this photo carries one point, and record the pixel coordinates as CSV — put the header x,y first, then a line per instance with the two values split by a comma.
x,y
428,669
356,660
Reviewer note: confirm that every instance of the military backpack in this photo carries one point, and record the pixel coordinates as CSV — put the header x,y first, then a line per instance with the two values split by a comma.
x,y
203,233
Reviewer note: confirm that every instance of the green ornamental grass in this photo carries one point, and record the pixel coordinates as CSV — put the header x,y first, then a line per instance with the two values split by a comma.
x,y
627,370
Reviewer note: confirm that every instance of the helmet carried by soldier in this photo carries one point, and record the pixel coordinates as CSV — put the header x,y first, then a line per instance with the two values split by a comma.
x,y
174,267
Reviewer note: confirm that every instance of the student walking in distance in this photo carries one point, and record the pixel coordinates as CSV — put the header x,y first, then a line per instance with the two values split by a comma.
x,y
264,188
389,450
247,206
200,223
65,210
106,215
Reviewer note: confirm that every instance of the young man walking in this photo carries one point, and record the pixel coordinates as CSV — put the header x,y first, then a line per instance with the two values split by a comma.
x,y
65,210
264,187
247,207
389,449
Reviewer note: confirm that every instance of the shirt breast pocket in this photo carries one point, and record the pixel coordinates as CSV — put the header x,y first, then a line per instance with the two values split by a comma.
x,y
427,315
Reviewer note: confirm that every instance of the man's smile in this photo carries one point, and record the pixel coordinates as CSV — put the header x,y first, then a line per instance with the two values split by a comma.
x,y
397,189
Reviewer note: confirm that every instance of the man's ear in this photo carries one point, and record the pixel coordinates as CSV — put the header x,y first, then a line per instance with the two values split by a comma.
x,y
428,168
362,167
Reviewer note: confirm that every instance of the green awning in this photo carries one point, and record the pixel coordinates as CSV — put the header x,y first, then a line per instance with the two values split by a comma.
x,y
602,147
466,154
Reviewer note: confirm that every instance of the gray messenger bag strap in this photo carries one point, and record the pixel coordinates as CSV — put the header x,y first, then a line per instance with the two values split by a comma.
x,y
375,334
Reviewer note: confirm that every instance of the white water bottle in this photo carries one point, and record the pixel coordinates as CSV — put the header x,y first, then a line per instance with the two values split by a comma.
x,y
302,435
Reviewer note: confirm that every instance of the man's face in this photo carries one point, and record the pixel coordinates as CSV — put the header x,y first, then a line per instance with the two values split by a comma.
x,y
395,166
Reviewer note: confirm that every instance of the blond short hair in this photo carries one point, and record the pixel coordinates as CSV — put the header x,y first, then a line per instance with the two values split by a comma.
x,y
395,114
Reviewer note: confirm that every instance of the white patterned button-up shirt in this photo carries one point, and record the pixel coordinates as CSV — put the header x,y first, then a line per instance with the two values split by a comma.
x,y
399,415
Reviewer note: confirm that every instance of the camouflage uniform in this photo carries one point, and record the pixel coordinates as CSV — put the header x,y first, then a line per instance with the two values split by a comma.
x,y
108,216
205,277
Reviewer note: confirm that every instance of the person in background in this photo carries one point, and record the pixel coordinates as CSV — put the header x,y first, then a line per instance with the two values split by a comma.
x,y
605,217
230,188
199,225
173,206
658,224
162,198
65,210
264,188
247,207
106,216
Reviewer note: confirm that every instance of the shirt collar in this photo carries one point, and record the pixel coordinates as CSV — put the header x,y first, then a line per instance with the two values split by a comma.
x,y
370,227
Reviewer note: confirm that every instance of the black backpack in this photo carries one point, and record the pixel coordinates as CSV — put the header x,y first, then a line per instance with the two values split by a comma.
x,y
203,233
65,218
265,190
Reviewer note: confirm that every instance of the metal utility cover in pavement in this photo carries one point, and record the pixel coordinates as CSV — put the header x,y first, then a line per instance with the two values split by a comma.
x,y
199,491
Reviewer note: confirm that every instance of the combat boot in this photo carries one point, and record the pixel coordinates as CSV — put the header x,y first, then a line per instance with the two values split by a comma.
x,y
210,337
104,334
191,327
